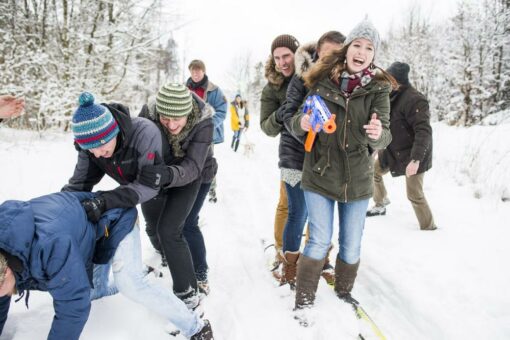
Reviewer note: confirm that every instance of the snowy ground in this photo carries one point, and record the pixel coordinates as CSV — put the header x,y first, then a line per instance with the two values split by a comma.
x,y
452,283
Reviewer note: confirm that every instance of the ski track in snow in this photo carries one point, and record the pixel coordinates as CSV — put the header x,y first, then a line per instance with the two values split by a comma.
x,y
448,284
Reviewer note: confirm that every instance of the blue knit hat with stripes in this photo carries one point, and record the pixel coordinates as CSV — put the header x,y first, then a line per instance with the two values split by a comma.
x,y
93,125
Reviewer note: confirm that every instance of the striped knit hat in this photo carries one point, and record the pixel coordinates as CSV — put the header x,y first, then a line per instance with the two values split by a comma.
x,y
93,125
173,100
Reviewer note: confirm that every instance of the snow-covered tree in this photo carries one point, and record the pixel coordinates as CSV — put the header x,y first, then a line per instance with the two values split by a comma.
x,y
53,50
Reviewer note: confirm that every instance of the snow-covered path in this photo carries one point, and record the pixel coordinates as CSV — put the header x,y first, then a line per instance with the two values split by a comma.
x,y
448,284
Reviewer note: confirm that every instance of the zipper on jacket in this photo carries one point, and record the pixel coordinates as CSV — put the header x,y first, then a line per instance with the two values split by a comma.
x,y
119,170
345,141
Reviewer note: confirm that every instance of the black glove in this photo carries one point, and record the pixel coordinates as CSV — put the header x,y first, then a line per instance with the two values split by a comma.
x,y
94,207
155,176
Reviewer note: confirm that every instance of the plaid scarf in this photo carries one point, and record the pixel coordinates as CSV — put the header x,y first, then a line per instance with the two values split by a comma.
x,y
351,82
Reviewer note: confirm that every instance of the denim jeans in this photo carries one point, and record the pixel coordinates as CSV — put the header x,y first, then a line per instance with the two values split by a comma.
x,y
296,217
131,280
351,225
194,236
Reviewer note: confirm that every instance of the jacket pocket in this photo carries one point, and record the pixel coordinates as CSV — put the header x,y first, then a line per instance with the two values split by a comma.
x,y
322,164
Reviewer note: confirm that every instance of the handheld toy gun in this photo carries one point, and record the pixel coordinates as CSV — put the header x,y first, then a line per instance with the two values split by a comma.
x,y
320,118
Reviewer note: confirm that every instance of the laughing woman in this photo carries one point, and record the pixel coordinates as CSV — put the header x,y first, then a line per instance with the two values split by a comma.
x,y
339,168
187,127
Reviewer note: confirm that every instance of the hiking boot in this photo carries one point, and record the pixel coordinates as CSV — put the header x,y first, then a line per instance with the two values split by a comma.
x,y
289,268
205,333
376,210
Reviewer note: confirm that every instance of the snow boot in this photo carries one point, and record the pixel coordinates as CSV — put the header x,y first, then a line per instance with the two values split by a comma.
x,y
376,210
191,299
205,333
345,275
328,272
307,280
289,268
236,145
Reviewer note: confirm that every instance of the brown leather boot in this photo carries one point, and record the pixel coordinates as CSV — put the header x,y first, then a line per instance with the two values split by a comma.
x,y
307,280
345,275
289,268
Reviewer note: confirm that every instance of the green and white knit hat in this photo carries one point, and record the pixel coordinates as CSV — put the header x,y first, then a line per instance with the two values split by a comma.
x,y
173,100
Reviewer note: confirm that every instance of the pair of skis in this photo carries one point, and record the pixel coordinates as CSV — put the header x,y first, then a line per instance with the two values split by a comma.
x,y
359,311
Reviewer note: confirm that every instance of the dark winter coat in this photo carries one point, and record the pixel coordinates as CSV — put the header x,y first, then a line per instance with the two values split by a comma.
x,y
137,143
199,162
411,132
290,149
214,97
53,244
339,166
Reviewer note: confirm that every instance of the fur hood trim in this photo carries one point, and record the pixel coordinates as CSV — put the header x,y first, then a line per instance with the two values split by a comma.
x,y
274,77
304,57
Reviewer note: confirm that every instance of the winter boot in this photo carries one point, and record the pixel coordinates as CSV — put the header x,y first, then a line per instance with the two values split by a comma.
x,y
345,275
289,268
233,142
378,209
191,298
328,272
205,333
307,280
236,145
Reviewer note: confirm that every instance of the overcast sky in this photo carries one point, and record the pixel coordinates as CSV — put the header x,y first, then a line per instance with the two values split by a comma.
x,y
217,31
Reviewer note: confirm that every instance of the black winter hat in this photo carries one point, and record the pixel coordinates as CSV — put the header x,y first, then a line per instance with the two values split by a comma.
x,y
400,71
285,40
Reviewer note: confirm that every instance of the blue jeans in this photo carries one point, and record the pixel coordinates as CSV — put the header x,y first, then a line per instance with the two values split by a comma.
x,y
194,236
131,280
351,224
296,217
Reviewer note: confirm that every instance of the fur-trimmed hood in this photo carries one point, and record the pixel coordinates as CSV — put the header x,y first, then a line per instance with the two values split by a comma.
x,y
305,57
274,77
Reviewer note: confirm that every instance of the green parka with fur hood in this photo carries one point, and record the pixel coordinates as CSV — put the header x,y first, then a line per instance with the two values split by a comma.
x,y
339,166
272,98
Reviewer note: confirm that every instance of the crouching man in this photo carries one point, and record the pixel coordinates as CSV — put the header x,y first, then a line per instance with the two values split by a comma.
x,y
48,244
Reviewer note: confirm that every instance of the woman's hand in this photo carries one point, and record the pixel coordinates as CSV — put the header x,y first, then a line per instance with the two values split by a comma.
x,y
305,122
374,128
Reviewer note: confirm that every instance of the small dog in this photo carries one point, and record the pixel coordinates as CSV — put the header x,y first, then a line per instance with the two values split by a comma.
x,y
249,149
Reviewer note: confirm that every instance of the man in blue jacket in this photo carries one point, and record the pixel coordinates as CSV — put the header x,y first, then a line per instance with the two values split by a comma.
x,y
199,83
48,244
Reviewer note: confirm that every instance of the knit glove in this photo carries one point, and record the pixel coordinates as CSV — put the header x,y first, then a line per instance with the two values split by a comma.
x,y
155,176
94,207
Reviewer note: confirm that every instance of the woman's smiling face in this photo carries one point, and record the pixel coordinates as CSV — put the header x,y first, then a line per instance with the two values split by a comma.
x,y
359,55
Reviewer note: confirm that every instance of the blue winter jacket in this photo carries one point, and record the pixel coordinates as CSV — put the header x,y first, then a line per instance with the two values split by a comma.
x,y
56,244
216,99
